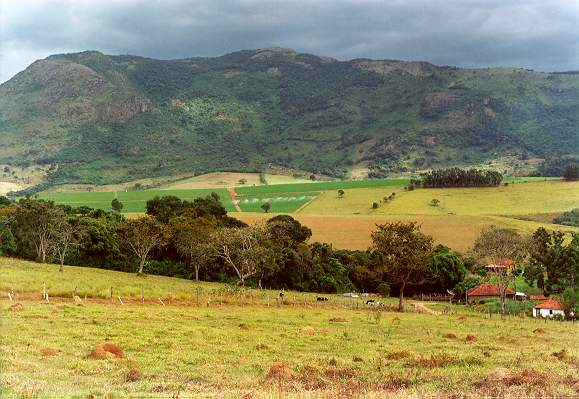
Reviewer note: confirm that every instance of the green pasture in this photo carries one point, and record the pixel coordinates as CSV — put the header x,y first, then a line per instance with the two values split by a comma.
x,y
231,350
133,201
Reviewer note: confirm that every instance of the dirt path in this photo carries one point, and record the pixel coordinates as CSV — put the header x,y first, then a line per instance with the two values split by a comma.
x,y
233,196
421,308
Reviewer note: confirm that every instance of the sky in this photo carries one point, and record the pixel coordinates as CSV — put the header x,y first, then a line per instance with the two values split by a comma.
x,y
536,34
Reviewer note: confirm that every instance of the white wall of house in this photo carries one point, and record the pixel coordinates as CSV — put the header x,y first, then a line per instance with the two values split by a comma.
x,y
547,312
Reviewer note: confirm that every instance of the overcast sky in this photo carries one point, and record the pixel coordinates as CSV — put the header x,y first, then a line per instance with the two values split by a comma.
x,y
537,34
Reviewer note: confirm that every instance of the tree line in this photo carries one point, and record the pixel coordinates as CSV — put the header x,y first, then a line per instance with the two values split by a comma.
x,y
198,240
457,177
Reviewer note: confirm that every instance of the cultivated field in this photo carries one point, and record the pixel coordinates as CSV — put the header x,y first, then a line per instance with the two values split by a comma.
x,y
228,350
133,201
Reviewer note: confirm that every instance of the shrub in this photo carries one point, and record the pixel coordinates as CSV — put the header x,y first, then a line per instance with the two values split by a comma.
x,y
384,289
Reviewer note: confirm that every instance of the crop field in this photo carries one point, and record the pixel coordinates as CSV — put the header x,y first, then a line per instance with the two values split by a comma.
x,y
133,201
295,351
321,186
280,202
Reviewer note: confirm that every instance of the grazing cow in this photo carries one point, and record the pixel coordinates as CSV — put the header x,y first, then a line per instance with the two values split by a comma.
x,y
322,299
281,294
372,302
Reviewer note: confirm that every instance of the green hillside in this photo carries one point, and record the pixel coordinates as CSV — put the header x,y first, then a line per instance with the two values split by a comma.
x,y
94,118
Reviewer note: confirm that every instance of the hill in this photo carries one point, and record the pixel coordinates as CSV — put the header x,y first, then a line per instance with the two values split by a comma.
x,y
93,118
304,349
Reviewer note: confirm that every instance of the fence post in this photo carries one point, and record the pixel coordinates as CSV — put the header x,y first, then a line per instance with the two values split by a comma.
x,y
221,299
43,290
142,294
268,301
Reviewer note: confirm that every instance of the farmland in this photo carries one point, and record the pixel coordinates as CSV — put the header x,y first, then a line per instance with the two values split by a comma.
x,y
133,201
227,350
525,204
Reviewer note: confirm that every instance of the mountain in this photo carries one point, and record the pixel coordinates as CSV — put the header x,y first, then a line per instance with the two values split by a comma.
x,y
94,118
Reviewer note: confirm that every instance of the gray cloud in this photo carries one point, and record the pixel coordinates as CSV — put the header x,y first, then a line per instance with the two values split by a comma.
x,y
538,34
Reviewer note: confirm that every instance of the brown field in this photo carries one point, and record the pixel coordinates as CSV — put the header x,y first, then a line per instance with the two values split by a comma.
x,y
215,180
353,231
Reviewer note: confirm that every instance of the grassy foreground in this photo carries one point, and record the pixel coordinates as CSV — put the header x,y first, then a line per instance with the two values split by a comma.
x,y
232,351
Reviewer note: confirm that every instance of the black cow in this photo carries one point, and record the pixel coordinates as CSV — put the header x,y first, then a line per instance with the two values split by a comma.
x,y
322,299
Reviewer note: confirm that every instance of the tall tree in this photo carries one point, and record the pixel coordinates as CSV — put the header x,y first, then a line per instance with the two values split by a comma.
x,y
141,236
405,251
35,222
67,233
190,238
246,250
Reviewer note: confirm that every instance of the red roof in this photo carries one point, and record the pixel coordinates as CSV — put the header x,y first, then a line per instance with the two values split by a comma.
x,y
488,290
536,297
550,304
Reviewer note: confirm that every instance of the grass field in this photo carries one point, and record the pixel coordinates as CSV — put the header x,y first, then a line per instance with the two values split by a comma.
x,y
321,186
133,201
515,199
229,351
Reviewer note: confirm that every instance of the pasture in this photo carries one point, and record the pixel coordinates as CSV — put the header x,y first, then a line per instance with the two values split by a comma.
x,y
296,351
514,199
133,201
353,231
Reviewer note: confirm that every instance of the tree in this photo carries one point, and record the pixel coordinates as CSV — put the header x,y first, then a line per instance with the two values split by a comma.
x,y
191,238
7,242
246,250
434,202
448,267
35,222
570,299
341,193
116,205
571,172
405,252
266,206
66,234
375,205
497,246
141,236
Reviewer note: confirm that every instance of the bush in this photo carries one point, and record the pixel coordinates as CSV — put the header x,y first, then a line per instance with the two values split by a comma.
x,y
383,290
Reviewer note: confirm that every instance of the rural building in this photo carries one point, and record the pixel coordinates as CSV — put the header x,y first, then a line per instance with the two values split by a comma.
x,y
502,266
549,308
487,291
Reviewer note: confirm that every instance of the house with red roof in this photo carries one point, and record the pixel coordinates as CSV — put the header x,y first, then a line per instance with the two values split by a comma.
x,y
487,291
549,308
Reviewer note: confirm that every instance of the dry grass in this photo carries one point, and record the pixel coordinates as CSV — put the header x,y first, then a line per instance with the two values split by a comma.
x,y
353,231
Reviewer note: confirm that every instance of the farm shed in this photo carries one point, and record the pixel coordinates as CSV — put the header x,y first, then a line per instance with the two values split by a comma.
x,y
487,291
502,266
549,308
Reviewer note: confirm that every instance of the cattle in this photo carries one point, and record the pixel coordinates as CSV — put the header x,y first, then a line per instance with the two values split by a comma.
x,y
372,302
322,299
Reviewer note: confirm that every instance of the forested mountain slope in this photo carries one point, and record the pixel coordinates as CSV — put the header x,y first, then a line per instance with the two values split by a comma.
x,y
96,118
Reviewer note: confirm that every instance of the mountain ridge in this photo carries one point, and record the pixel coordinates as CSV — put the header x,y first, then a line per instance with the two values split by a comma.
x,y
96,118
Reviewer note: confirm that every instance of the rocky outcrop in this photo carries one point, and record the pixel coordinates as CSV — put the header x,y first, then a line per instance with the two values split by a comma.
x,y
384,67
122,111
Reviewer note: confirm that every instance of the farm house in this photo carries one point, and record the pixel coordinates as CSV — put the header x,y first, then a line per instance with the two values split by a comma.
x,y
549,308
487,291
